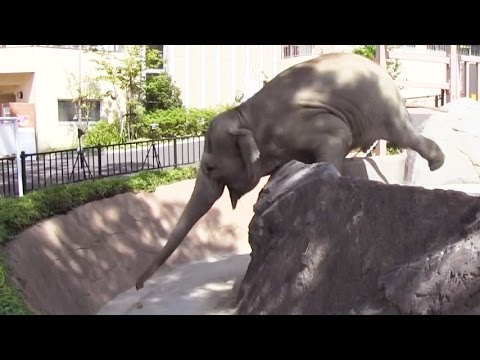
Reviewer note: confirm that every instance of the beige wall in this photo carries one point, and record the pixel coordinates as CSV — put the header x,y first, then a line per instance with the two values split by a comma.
x,y
46,82
229,70
226,75
225,70
18,82
421,72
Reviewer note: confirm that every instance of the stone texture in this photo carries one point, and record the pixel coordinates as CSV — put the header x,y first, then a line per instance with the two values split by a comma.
x,y
323,244
457,132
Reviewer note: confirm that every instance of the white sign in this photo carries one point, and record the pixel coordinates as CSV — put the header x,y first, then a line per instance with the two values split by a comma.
x,y
9,123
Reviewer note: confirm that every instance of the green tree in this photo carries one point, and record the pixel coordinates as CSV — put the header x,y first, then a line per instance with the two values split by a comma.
x,y
370,51
160,92
125,74
83,92
141,93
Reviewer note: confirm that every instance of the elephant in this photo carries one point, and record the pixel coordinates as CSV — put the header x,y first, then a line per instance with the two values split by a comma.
x,y
315,111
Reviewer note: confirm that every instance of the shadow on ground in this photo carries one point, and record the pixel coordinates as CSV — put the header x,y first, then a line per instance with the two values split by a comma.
x,y
75,263
198,288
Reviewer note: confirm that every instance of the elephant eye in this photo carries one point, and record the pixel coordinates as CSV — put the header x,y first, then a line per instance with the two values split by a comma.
x,y
209,168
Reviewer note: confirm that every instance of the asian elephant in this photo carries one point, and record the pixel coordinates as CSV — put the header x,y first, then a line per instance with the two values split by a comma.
x,y
315,111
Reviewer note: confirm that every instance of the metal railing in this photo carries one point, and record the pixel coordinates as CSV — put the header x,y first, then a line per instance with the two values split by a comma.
x,y
439,99
9,175
289,51
111,48
44,169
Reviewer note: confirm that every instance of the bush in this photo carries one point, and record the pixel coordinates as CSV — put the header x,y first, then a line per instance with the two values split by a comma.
x,y
179,121
103,133
174,122
17,214
161,93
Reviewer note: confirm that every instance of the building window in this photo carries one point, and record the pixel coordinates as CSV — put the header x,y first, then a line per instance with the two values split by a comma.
x,y
289,51
112,48
437,47
68,112
472,50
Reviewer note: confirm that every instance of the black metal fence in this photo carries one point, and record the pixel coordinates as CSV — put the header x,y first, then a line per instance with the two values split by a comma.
x,y
8,167
89,163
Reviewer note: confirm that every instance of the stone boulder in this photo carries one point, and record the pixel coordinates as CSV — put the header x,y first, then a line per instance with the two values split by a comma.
x,y
326,244
457,132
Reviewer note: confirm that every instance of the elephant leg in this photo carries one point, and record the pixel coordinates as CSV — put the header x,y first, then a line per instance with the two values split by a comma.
x,y
324,137
429,150
333,150
405,136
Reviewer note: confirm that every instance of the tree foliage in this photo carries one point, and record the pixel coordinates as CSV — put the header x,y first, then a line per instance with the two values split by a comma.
x,y
125,74
83,90
160,92
141,92
370,52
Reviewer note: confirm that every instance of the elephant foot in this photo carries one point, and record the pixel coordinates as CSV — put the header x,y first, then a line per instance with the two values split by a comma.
x,y
430,150
436,161
437,164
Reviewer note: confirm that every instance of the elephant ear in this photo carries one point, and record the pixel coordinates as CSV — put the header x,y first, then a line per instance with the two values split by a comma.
x,y
248,148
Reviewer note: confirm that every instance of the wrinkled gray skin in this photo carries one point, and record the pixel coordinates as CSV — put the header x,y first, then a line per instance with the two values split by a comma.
x,y
316,111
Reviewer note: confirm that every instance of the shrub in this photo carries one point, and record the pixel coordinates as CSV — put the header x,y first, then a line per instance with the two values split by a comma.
x,y
173,122
17,214
161,93
103,133
179,121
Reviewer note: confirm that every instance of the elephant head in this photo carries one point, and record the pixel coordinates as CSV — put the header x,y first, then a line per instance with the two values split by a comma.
x,y
230,159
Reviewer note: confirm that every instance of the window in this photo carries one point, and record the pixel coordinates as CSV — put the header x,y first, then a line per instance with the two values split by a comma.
x,y
473,50
437,47
68,112
289,51
117,48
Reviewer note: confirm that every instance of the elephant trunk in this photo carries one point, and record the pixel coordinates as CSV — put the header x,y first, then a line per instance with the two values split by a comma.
x,y
204,195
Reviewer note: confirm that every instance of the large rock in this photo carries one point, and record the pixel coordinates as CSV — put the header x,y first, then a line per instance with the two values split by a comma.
x,y
457,132
325,244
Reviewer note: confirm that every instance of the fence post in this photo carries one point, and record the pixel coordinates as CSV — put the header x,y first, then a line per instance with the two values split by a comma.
x,y
24,172
99,154
381,59
175,163
453,74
